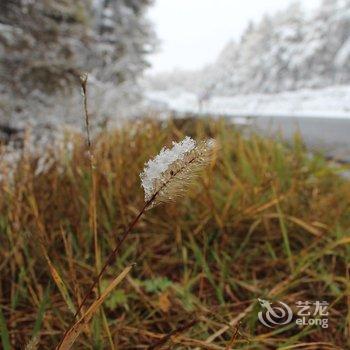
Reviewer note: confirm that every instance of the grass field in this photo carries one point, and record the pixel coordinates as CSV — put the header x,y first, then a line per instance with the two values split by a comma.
x,y
265,220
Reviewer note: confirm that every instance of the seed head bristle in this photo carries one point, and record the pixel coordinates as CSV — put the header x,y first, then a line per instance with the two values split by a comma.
x,y
169,175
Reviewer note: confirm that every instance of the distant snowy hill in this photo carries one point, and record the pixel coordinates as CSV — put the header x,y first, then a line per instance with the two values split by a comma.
x,y
288,51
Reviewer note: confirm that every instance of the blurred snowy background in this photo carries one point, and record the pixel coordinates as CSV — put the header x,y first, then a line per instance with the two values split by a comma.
x,y
293,59
276,58
46,44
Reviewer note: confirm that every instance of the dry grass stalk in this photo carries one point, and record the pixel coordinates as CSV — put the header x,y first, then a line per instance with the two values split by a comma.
x,y
163,186
165,178
82,323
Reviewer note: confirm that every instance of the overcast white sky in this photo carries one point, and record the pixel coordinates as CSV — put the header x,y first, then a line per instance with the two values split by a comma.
x,y
193,32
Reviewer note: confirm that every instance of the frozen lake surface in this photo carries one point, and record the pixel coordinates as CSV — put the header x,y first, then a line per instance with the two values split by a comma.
x,y
331,135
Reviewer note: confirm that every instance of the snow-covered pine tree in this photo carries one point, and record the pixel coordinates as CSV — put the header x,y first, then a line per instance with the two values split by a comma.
x,y
123,38
42,43
288,51
340,34
46,44
283,63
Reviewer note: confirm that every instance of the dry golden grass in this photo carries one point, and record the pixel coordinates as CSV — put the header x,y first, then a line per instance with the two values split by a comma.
x,y
265,221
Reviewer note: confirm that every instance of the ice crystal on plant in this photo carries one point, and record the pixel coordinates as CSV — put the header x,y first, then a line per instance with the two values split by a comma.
x,y
158,165
169,174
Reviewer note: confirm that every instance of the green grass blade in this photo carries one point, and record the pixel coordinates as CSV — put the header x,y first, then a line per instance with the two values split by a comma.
x,y
5,336
41,312
285,235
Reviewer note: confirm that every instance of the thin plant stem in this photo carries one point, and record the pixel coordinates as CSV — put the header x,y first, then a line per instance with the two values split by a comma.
x,y
93,208
109,261
93,199
113,254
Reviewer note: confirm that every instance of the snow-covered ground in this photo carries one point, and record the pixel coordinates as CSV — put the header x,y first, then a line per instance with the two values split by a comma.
x,y
321,116
328,102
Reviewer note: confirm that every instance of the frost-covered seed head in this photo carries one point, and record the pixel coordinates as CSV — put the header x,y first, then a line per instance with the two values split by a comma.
x,y
168,175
